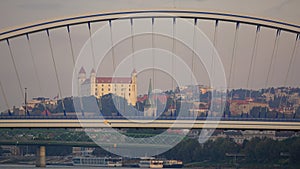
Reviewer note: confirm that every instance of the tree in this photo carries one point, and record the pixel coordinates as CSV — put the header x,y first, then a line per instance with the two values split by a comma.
x,y
108,105
38,109
295,151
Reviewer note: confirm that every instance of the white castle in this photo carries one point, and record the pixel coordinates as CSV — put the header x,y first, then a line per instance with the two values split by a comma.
x,y
125,87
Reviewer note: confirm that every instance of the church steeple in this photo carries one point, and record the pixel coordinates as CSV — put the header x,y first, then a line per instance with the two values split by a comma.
x,y
150,88
149,108
148,100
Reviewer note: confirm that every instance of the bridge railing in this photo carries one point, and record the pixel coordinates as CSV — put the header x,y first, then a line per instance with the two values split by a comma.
x,y
74,117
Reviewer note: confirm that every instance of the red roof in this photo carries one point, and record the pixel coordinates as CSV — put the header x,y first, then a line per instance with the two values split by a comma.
x,y
113,80
142,98
46,112
161,98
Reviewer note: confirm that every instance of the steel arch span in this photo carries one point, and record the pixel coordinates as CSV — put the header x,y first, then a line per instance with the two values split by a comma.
x,y
158,13
258,23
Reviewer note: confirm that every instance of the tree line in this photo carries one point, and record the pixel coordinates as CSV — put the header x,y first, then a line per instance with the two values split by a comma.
x,y
256,151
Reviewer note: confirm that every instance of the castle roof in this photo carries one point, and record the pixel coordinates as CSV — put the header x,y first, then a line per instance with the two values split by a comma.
x,y
82,70
134,71
113,80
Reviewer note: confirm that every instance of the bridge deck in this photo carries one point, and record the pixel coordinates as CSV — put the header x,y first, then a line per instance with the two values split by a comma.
x,y
123,123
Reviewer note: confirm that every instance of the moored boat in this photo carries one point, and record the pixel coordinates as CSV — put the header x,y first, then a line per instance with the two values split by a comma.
x,y
150,162
97,161
173,164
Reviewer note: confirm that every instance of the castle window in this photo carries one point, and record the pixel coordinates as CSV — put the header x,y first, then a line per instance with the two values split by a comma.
x,y
108,89
129,89
102,89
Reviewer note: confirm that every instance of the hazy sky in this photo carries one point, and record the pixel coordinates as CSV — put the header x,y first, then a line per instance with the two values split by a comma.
x,y
19,12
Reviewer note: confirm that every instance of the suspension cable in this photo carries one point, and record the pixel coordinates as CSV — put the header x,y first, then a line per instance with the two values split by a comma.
x,y
33,62
295,47
71,44
15,67
173,51
132,43
73,60
231,70
212,73
55,67
273,57
193,54
153,54
214,46
252,63
112,46
92,45
253,56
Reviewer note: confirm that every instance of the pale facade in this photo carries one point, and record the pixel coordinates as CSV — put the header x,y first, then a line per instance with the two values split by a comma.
x,y
125,87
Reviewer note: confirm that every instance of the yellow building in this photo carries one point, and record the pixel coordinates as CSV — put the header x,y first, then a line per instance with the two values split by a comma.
x,y
125,87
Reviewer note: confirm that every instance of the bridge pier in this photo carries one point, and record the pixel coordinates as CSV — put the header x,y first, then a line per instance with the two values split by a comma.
x,y
41,156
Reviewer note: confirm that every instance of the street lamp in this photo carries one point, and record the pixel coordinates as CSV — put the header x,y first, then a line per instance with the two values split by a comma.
x,y
25,101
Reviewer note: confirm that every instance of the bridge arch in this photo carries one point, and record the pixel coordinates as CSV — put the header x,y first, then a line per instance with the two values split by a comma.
x,y
279,26
158,13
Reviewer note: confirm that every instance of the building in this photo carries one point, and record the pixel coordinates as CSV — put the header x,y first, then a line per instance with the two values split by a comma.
x,y
125,87
244,106
150,108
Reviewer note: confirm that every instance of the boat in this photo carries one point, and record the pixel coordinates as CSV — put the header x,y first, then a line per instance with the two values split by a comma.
x,y
173,164
97,161
114,162
150,162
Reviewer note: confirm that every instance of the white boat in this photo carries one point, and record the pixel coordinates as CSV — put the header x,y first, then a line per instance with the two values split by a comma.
x,y
114,162
173,164
150,162
97,161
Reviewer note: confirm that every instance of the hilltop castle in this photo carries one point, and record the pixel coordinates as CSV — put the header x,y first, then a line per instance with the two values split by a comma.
x,y
125,87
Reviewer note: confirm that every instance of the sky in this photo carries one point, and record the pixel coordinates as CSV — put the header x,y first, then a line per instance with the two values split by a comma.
x,y
39,76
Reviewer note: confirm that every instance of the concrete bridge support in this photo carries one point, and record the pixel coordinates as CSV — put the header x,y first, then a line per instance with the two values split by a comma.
x,y
41,156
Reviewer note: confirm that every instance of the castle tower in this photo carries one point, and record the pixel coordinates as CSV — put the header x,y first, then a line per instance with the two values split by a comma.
x,y
81,75
93,82
133,93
